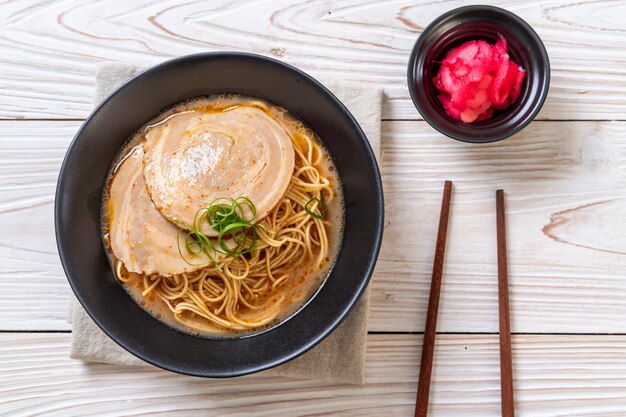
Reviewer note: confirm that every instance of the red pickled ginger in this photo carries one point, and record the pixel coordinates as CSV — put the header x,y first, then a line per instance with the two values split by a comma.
x,y
476,78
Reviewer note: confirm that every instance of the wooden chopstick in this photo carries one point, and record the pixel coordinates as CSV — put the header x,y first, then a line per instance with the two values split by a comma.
x,y
428,350
506,366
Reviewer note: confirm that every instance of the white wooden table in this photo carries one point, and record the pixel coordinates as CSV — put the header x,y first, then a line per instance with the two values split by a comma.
x,y
565,178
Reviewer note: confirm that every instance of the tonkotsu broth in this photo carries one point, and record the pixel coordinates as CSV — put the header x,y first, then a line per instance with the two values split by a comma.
x,y
304,276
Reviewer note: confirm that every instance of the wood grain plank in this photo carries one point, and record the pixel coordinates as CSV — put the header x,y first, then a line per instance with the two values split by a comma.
x,y
35,293
566,195
49,50
555,376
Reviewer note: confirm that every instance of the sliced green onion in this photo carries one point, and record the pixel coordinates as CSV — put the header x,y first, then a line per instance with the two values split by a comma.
x,y
201,243
314,205
229,217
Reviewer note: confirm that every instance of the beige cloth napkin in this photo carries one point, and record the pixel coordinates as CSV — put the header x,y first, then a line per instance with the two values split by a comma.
x,y
341,356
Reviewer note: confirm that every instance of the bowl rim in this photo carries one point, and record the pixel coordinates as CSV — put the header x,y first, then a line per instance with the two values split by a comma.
x,y
411,79
377,224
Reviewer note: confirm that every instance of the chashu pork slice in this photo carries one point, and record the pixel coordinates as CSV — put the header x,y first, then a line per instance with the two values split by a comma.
x,y
193,158
140,236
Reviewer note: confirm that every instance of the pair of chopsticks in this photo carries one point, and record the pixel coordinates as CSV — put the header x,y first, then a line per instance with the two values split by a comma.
x,y
428,350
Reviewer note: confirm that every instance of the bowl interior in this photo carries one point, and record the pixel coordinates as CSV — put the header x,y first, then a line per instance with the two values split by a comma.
x,y
479,23
79,194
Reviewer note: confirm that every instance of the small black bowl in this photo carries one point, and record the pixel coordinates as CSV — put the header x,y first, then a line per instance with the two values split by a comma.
x,y
79,195
473,23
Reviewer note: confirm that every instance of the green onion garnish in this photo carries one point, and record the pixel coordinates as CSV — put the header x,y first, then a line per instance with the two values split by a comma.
x,y
316,208
230,217
196,242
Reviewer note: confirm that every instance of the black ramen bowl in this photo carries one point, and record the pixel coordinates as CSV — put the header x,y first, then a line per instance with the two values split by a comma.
x,y
79,195
474,23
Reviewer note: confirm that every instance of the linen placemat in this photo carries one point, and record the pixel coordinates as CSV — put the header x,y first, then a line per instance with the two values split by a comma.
x,y
341,356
